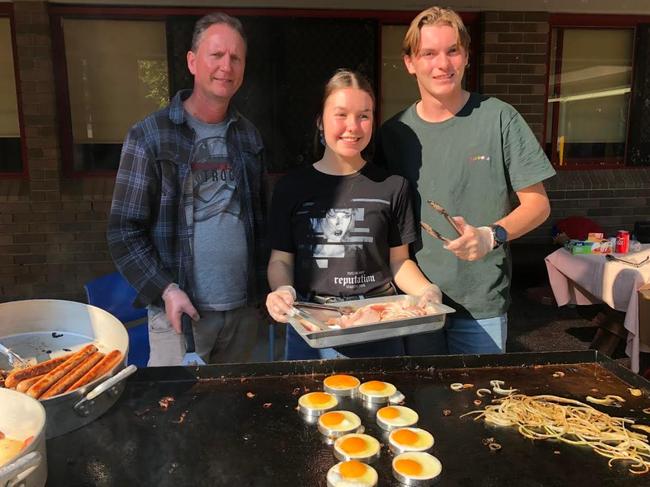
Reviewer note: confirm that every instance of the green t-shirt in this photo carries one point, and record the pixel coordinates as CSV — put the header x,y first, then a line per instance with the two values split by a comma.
x,y
471,164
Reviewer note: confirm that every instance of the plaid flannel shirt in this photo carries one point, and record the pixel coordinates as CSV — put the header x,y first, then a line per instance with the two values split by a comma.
x,y
150,226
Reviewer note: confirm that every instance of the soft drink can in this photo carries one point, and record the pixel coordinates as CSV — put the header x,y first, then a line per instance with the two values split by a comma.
x,y
622,242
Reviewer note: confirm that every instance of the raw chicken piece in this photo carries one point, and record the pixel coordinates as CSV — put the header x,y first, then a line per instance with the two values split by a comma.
x,y
389,311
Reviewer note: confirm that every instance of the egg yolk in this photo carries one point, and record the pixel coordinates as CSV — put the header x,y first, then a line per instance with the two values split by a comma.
x,y
352,469
388,413
353,445
319,398
331,419
405,437
341,381
408,467
375,385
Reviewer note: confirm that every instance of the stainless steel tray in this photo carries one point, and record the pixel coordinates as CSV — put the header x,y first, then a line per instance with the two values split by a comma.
x,y
372,331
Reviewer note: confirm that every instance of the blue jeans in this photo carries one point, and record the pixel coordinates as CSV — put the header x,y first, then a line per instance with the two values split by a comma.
x,y
295,348
462,335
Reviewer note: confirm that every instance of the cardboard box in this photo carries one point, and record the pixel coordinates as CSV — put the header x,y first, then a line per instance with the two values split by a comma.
x,y
577,247
644,314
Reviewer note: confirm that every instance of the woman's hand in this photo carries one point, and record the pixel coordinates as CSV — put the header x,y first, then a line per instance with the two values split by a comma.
x,y
279,303
430,295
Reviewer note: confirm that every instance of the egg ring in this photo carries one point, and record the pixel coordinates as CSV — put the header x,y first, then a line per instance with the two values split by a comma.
x,y
341,385
391,417
377,392
409,439
352,472
416,468
356,446
334,424
314,404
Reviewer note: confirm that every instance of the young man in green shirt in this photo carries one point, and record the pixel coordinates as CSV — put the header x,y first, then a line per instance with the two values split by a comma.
x,y
473,155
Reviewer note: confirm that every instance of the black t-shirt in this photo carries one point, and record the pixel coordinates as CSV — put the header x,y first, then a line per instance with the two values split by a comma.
x,y
341,228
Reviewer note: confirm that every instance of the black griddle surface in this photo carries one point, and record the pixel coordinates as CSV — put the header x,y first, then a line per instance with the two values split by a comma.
x,y
215,433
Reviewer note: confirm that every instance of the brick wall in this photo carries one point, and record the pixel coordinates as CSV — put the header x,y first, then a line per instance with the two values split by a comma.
x,y
613,198
52,230
513,62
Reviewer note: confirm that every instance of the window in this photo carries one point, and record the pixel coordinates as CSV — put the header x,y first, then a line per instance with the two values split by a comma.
x,y
116,75
10,142
398,88
589,96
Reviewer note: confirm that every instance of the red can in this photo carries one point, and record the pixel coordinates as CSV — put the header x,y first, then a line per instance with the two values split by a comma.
x,y
622,242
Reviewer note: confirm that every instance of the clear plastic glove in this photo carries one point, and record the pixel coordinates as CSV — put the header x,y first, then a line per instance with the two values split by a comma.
x,y
475,242
430,295
279,303
177,302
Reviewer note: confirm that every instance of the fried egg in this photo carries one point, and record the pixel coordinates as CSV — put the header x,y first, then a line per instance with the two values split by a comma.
x,y
351,474
377,391
356,446
341,384
391,417
409,439
316,403
418,466
338,423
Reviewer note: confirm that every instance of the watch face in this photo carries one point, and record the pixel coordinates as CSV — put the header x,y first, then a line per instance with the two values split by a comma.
x,y
500,234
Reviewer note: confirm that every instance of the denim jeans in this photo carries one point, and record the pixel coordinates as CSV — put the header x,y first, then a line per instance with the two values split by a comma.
x,y
462,335
295,348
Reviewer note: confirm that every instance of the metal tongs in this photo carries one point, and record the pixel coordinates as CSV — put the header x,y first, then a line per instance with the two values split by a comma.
x,y
14,359
308,317
342,310
434,233
628,262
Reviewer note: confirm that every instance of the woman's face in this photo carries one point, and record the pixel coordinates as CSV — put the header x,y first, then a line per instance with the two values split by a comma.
x,y
338,224
347,122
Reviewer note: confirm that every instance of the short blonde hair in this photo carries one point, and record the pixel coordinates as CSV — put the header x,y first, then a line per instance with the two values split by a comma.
x,y
434,16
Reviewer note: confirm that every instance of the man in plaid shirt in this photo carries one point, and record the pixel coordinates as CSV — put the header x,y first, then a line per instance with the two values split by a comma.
x,y
186,227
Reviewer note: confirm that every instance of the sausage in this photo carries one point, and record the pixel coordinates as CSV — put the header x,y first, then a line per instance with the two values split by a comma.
x,y
39,369
102,368
49,379
67,380
23,385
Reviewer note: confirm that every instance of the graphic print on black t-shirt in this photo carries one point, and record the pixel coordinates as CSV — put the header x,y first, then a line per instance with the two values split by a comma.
x,y
341,228
215,190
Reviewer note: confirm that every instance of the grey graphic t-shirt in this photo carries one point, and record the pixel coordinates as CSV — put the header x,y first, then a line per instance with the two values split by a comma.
x,y
220,249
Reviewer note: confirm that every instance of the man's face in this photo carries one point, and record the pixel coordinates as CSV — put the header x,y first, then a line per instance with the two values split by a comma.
x,y
439,64
218,63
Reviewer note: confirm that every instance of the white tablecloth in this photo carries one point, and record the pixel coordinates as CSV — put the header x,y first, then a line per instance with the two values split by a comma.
x,y
590,278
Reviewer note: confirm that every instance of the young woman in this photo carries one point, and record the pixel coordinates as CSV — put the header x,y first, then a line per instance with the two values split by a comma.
x,y
342,226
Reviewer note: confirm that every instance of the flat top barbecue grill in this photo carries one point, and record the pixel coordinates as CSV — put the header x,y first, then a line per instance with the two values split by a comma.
x,y
216,433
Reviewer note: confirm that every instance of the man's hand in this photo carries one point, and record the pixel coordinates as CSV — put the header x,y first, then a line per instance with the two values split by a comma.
x,y
279,302
474,243
177,303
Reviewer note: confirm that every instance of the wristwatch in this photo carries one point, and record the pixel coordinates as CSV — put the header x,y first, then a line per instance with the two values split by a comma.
x,y
500,235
